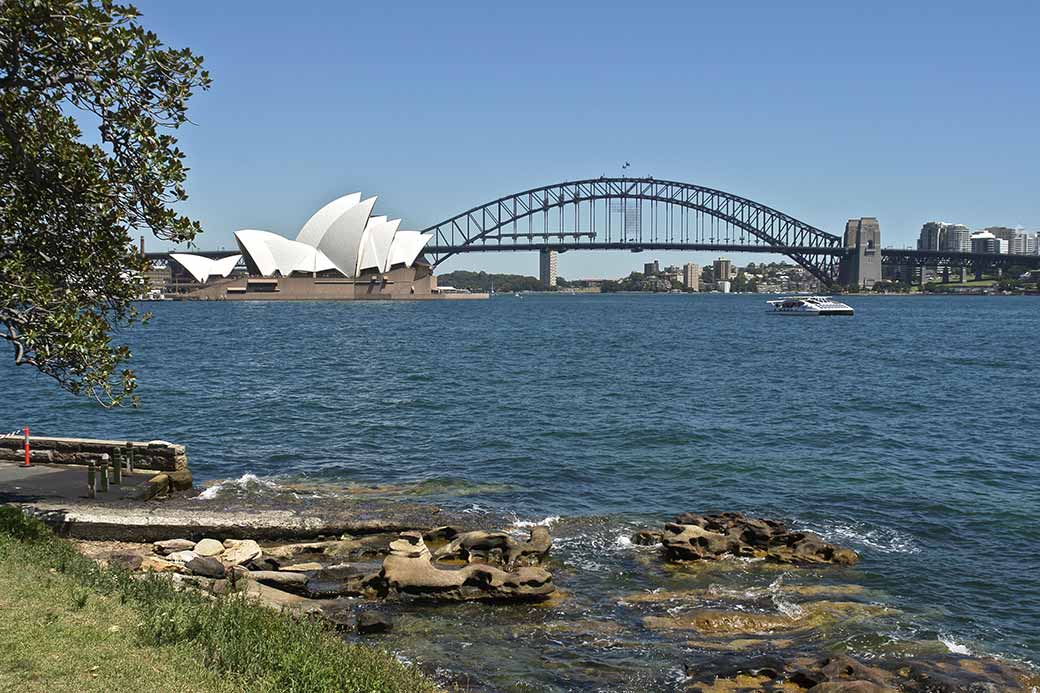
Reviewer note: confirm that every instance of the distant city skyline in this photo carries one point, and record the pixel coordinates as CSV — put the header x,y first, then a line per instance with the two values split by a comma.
x,y
440,108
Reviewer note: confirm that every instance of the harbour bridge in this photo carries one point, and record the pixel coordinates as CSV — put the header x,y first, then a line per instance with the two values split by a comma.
x,y
641,214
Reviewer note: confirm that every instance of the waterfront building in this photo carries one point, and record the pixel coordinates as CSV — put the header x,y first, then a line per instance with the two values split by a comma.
x,y
987,242
723,286
341,252
651,268
547,268
722,269
864,268
692,276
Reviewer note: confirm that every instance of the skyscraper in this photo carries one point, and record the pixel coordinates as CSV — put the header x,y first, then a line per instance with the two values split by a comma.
x,y
692,276
547,268
722,268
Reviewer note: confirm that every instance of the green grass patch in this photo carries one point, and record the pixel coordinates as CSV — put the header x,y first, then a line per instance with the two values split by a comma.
x,y
70,625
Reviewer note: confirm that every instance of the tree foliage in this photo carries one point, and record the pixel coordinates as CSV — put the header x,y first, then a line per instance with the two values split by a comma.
x,y
70,204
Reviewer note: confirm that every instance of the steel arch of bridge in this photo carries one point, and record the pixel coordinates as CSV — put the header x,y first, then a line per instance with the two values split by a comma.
x,y
484,228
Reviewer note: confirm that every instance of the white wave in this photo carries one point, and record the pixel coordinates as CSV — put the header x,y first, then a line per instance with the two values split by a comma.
x,y
623,541
246,482
545,521
880,539
954,646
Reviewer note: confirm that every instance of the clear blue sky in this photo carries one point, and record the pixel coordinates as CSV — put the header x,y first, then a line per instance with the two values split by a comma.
x,y
825,110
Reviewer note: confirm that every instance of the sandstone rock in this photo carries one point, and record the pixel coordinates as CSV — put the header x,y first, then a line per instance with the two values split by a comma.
x,y
126,559
373,622
497,548
806,547
710,537
241,552
151,564
301,567
263,563
209,547
291,582
692,542
851,687
408,570
173,545
647,537
276,598
206,566
181,556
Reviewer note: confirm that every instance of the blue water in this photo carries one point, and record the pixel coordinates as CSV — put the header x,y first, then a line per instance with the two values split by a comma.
x,y
908,432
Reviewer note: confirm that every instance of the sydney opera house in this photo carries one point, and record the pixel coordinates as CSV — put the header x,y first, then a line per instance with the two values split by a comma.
x,y
342,252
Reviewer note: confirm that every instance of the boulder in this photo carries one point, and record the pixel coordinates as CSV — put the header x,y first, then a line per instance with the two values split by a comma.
x,y
209,547
172,545
240,552
409,571
206,566
497,548
373,622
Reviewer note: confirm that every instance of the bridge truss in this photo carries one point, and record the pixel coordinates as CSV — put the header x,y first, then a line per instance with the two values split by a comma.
x,y
635,214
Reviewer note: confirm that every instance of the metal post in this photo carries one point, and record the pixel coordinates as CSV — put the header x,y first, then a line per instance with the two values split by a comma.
x,y
91,479
104,474
117,466
129,458
27,454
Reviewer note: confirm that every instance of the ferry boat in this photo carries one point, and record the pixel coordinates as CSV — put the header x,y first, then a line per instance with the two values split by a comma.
x,y
809,305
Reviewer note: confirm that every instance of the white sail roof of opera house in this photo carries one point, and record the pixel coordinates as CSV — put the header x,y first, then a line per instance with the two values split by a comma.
x,y
343,235
202,268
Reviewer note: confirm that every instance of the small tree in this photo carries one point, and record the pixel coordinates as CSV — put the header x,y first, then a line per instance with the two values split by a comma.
x,y
68,207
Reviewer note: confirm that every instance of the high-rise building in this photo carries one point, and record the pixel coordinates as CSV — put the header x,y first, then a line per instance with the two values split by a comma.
x,y
652,268
692,276
722,269
958,239
933,236
1019,243
547,268
863,268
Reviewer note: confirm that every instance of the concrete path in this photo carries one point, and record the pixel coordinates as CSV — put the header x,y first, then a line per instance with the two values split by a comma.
x,y
62,482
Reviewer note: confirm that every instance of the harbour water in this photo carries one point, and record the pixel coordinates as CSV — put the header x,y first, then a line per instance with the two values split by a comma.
x,y
907,432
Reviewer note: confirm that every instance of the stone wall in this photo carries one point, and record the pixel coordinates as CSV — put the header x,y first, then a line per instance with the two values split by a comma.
x,y
155,455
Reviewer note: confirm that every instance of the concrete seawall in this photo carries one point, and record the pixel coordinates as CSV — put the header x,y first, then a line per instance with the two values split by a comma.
x,y
156,455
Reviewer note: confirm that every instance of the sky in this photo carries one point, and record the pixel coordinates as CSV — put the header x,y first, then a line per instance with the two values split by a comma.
x,y
909,112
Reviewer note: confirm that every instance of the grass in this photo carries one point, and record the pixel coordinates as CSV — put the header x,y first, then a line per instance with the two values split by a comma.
x,y
70,625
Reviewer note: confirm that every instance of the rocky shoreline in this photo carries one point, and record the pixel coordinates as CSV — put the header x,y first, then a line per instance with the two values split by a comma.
x,y
358,580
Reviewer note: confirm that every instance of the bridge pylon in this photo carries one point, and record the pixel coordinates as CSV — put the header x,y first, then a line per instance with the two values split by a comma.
x,y
861,265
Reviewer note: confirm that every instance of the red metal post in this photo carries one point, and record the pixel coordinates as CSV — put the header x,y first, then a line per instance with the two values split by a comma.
x,y
26,447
